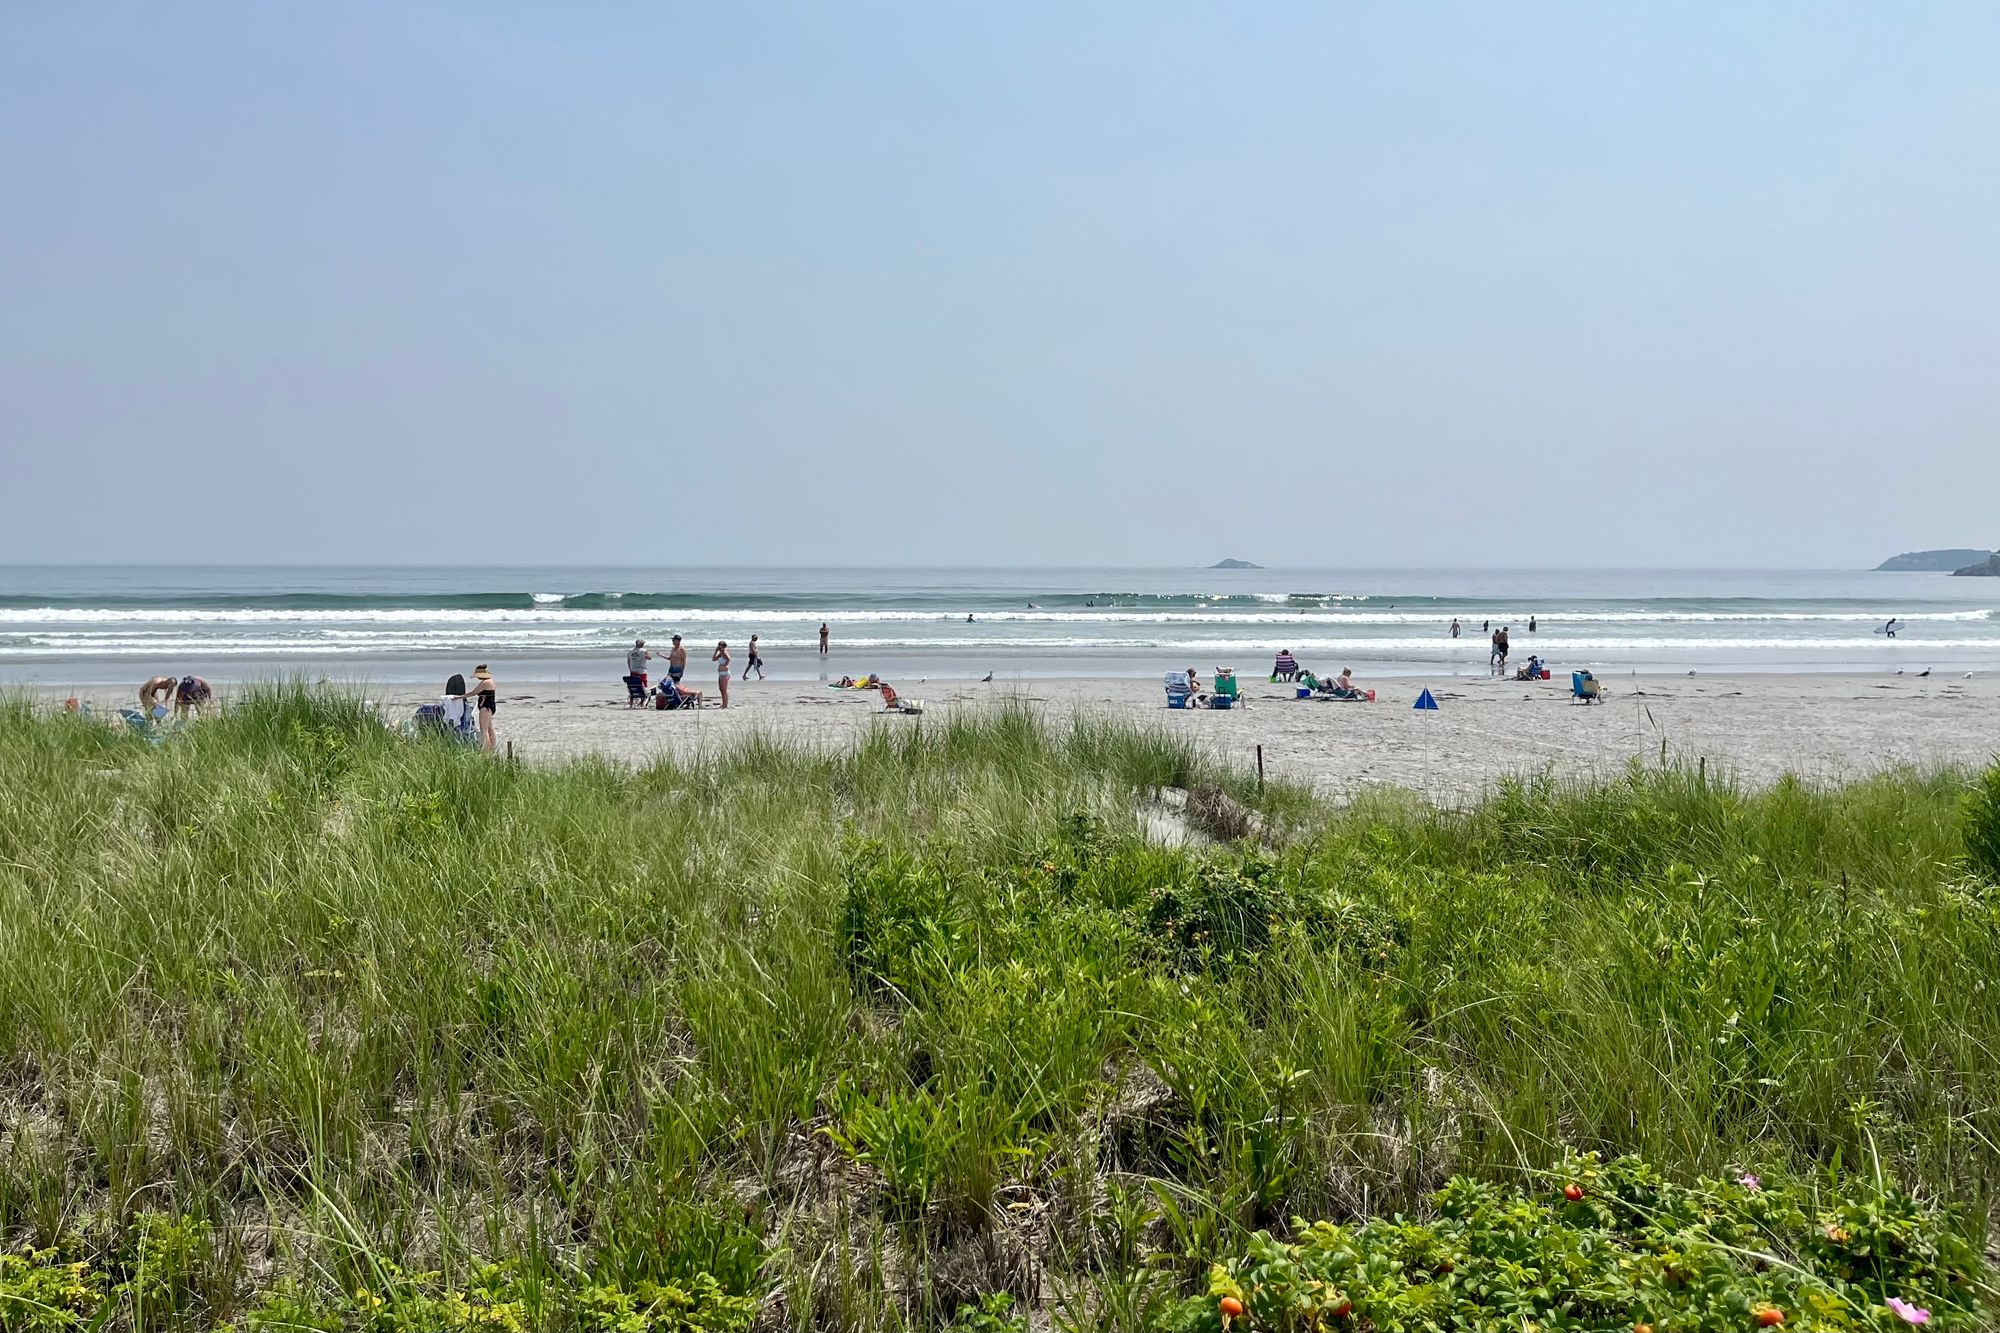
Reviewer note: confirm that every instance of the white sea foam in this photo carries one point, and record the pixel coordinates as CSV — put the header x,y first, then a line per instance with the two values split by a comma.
x,y
1550,622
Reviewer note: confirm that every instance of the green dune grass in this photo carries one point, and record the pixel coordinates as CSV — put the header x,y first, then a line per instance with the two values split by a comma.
x,y
307,1025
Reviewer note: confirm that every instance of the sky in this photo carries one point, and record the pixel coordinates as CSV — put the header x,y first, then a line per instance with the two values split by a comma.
x,y
1308,284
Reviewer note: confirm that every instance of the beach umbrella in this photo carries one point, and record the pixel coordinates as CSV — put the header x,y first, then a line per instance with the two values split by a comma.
x,y
1426,704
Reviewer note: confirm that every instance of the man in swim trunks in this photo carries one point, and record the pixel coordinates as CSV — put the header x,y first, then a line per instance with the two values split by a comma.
x,y
157,693
635,661
677,661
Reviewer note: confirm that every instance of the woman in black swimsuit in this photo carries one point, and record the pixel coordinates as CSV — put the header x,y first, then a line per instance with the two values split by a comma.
x,y
489,704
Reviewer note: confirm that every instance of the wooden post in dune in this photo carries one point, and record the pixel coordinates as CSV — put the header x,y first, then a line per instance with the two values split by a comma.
x,y
1260,768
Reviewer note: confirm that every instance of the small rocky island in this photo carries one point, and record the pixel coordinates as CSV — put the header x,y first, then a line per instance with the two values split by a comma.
x,y
1234,564
1932,562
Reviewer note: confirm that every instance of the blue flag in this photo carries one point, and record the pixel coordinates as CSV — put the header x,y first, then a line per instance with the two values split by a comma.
x,y
1424,701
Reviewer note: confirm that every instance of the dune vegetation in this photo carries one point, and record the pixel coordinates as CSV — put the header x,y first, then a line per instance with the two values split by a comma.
x,y
984,1024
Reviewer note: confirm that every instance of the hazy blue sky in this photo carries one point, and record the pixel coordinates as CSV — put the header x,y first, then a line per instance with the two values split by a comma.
x,y
719,283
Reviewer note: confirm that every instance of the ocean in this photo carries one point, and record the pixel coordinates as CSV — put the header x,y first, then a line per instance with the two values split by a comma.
x,y
78,625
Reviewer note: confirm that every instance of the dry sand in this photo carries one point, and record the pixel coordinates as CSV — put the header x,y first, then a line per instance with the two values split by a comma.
x,y
1755,726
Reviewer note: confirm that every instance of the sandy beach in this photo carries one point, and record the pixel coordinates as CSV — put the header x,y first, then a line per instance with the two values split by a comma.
x,y
1757,727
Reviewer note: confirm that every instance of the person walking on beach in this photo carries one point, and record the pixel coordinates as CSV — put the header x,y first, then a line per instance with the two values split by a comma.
x,y
721,659
822,638
1454,627
1500,647
677,661
487,697
1495,655
755,663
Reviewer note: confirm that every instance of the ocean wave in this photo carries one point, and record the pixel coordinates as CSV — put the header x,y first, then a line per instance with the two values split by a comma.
x,y
81,645
1551,622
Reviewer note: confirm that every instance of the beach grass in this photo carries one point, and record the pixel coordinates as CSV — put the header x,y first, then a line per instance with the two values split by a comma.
x,y
307,1024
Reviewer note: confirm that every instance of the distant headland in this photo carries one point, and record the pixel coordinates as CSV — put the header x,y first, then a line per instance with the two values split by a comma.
x,y
1989,568
1933,562
1245,564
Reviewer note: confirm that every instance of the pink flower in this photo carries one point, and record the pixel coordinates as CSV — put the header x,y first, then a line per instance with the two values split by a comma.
x,y
1749,1182
1910,1314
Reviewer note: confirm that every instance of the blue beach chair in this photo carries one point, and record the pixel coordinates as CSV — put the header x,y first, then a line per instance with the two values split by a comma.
x,y
143,725
1583,688
1177,690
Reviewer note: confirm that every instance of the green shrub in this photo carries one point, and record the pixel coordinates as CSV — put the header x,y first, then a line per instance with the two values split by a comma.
x,y
40,1293
1982,824
1606,1245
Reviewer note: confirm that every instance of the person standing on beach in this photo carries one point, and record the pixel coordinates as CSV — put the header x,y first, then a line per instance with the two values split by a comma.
x,y
192,694
1494,655
755,663
635,661
488,699
1500,647
677,661
156,694
721,659
822,638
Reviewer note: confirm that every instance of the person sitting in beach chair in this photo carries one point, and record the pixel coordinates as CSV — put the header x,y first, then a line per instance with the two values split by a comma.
x,y
1532,671
1343,687
1583,688
671,694
450,716
1179,693
896,703
635,691
1286,667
